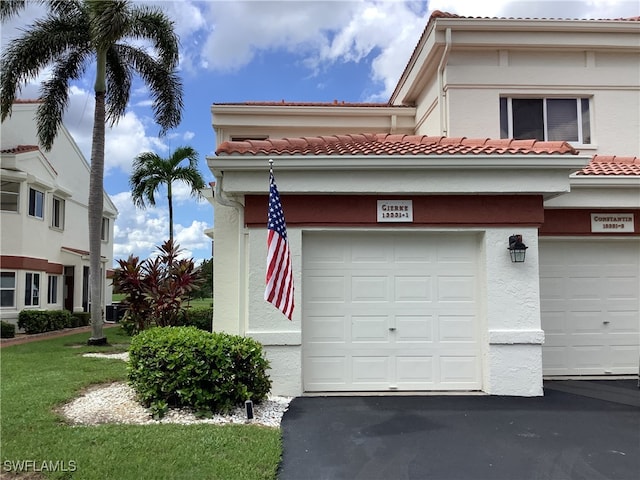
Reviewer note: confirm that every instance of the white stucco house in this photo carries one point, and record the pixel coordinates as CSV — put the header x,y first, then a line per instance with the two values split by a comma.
x,y
44,245
400,214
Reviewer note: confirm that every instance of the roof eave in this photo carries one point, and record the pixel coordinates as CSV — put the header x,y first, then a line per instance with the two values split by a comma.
x,y
240,163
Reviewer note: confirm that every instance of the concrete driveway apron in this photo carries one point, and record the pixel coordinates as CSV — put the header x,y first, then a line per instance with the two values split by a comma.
x,y
559,436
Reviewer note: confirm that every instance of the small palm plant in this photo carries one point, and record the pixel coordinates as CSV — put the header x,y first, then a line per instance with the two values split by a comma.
x,y
156,288
151,171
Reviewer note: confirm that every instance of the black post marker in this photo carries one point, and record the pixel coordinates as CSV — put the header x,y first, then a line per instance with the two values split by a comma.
x,y
248,406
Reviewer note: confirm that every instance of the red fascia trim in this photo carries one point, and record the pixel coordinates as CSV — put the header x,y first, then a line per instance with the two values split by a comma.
x,y
446,210
573,221
11,262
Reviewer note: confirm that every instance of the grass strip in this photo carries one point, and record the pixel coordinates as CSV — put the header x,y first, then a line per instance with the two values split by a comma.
x,y
40,376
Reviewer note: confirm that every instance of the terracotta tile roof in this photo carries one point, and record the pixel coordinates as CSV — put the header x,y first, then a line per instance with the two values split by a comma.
x,y
612,165
27,148
335,103
75,250
439,14
385,144
21,149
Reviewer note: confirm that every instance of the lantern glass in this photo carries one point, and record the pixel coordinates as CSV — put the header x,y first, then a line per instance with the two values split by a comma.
x,y
517,255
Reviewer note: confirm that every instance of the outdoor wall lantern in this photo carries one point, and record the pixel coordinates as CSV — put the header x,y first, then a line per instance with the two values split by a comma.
x,y
517,249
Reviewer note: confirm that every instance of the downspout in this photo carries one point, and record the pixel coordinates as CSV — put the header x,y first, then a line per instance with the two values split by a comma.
x,y
220,197
441,93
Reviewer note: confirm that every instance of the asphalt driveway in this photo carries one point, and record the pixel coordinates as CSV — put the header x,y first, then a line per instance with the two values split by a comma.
x,y
593,433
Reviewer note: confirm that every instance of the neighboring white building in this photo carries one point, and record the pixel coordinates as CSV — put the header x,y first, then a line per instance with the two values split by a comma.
x,y
432,301
45,238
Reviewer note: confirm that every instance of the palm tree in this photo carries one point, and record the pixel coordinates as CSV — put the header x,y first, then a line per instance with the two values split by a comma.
x,y
71,37
150,172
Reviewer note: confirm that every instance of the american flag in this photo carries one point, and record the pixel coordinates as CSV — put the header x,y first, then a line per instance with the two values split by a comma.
x,y
279,291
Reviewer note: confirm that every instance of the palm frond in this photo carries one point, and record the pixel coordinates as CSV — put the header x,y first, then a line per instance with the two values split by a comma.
x,y
41,45
152,24
108,21
10,8
119,81
55,94
163,82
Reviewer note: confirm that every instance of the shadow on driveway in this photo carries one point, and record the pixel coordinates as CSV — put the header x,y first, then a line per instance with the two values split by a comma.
x,y
563,435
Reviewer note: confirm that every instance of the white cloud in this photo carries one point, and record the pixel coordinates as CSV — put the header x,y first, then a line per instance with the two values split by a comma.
x,y
192,237
228,35
139,232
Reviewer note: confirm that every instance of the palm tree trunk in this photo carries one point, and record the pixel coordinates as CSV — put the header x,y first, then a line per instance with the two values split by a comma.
x,y
170,211
96,192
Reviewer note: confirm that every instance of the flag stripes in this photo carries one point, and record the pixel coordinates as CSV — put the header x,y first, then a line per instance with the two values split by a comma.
x,y
279,278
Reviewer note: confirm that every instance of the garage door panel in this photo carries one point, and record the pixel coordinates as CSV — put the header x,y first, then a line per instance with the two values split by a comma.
x,y
413,329
325,329
371,370
590,306
369,289
456,329
323,289
406,302
369,329
413,289
327,370
458,369
414,370
456,289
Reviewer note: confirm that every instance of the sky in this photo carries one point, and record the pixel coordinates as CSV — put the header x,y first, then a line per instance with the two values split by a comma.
x,y
237,51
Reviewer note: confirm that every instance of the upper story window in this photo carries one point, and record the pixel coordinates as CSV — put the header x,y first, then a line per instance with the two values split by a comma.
x,y
36,203
7,289
32,289
547,119
57,213
104,231
9,196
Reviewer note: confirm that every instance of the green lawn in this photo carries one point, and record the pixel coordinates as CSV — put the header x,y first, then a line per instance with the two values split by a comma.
x,y
37,377
198,302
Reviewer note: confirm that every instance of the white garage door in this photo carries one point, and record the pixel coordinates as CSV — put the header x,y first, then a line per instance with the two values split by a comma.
x,y
390,311
589,305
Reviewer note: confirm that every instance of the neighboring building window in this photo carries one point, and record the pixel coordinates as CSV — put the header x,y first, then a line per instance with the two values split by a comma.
x,y
36,203
548,119
9,196
7,289
104,232
52,290
57,213
32,289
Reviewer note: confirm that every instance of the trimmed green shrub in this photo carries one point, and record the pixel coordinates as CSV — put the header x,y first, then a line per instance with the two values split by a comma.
x,y
199,317
39,321
188,367
81,319
7,330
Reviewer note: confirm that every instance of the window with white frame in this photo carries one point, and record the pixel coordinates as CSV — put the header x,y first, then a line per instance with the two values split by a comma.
x,y
7,289
52,289
32,289
57,213
104,232
9,196
36,203
547,119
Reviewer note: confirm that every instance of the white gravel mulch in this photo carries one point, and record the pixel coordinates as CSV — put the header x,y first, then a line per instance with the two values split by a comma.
x,y
116,403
